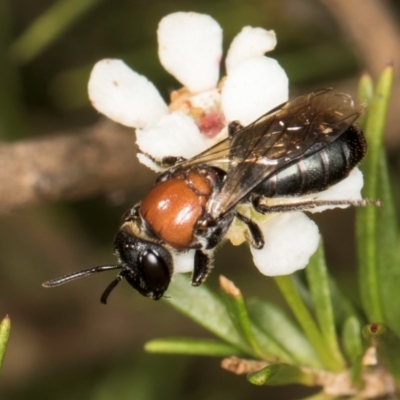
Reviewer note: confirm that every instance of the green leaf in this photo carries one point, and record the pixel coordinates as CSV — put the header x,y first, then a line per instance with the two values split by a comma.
x,y
303,316
281,374
262,344
370,284
318,282
388,256
274,322
237,311
343,308
5,328
354,349
342,305
352,340
383,267
207,309
199,347
299,282
365,94
47,28
270,349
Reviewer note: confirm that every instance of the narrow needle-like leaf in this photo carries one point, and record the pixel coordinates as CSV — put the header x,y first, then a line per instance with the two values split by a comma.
x,y
318,281
388,255
281,374
207,309
352,341
365,94
354,349
5,327
370,286
277,324
199,347
238,313
306,321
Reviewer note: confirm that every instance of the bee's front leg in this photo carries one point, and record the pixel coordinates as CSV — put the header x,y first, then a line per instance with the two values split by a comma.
x,y
202,267
165,162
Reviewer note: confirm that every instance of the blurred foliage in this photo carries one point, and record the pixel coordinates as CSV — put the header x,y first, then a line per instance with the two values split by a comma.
x,y
64,343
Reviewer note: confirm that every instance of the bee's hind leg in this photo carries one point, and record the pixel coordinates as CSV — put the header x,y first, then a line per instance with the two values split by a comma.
x,y
305,205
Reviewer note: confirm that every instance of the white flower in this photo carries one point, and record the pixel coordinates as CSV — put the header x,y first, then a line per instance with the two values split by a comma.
x,y
190,48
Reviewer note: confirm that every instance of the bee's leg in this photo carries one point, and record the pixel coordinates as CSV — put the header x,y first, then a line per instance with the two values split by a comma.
x,y
234,127
165,162
202,267
253,233
305,205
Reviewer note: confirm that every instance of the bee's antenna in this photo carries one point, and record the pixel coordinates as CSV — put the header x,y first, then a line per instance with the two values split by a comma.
x,y
110,288
80,274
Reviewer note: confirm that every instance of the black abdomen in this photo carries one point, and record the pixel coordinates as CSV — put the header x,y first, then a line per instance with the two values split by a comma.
x,y
319,171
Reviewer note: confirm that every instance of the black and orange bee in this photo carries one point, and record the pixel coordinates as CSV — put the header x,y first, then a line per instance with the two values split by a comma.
x,y
303,146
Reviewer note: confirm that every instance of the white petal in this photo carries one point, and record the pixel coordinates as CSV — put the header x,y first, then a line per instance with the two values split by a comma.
x,y
190,48
347,189
250,42
290,240
149,163
253,88
175,134
183,262
123,95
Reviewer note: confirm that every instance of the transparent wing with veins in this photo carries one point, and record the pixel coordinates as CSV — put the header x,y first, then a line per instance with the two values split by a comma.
x,y
296,129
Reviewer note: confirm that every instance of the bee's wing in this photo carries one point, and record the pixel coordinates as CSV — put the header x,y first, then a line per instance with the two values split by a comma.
x,y
298,128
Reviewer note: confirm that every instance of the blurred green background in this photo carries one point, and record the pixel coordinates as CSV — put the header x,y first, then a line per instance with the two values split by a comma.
x,y
64,343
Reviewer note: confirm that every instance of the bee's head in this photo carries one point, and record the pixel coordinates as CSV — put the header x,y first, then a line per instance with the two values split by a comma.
x,y
147,266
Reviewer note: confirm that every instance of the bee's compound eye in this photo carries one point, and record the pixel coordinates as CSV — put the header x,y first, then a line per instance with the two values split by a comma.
x,y
155,270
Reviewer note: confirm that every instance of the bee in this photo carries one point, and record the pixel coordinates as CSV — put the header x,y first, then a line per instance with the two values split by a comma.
x,y
301,147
